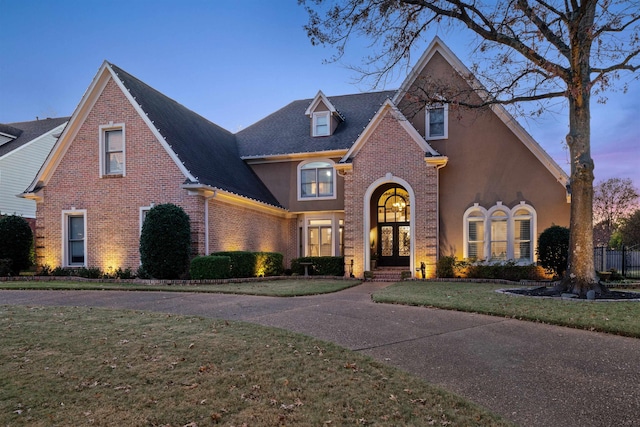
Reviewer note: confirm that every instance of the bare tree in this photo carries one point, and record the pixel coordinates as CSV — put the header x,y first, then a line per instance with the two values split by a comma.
x,y
614,199
540,49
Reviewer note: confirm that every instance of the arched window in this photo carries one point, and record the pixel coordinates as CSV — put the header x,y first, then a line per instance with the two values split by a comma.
x,y
498,237
500,233
316,180
393,206
475,235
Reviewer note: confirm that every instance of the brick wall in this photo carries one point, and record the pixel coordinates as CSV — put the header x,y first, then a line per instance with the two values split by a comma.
x,y
233,228
112,203
390,150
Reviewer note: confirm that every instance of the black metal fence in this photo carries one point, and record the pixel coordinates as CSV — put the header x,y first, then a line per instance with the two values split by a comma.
x,y
625,261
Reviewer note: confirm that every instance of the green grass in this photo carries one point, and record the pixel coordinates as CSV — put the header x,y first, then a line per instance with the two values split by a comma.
x,y
78,366
621,318
276,288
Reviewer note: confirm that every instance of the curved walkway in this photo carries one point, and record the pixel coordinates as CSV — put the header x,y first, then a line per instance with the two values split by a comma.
x,y
532,374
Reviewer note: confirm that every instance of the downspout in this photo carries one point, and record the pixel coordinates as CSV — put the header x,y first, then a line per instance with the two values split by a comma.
x,y
438,167
206,221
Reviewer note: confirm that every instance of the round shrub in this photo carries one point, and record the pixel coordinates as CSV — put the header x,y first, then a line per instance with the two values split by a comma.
x,y
553,249
165,242
16,241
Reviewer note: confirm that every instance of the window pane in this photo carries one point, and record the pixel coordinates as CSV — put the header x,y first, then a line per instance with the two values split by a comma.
x,y
308,182
476,239
404,240
499,239
476,250
75,242
436,122
115,162
76,228
499,250
314,242
523,229
325,182
386,240
522,249
325,239
322,124
498,230
113,140
76,252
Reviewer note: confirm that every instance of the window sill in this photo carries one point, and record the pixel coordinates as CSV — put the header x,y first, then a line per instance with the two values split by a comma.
x,y
113,175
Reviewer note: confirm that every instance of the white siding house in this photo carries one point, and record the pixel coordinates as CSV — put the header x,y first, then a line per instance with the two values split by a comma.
x,y
23,148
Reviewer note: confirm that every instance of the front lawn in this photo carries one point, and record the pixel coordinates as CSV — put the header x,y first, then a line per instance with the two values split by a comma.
x,y
618,317
88,366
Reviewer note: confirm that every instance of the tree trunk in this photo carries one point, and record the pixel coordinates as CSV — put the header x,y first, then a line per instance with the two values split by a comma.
x,y
581,275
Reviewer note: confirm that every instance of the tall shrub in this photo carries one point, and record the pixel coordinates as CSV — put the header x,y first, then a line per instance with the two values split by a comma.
x,y
165,242
553,249
16,241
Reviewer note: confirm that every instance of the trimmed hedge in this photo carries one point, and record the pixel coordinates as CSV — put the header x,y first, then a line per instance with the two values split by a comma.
x,y
450,267
505,271
210,267
165,242
553,249
320,265
253,264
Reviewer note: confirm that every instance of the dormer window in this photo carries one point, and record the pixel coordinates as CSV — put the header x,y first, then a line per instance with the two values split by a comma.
x,y
321,123
324,116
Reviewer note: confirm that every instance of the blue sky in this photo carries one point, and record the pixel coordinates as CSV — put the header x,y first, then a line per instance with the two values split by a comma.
x,y
233,62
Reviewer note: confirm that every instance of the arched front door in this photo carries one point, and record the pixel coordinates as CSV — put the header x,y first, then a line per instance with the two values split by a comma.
x,y
394,230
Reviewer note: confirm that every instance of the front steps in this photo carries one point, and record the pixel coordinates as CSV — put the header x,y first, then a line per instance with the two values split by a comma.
x,y
389,274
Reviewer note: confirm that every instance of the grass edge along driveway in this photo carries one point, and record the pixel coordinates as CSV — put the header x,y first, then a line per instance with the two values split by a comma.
x,y
276,288
616,317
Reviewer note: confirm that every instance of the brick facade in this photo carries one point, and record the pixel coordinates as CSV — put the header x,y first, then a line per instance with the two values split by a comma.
x,y
112,203
391,155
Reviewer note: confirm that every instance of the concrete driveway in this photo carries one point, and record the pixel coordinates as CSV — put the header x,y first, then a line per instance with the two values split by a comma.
x,y
532,374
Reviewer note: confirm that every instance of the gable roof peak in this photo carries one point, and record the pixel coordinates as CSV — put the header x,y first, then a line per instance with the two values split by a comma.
x,y
321,97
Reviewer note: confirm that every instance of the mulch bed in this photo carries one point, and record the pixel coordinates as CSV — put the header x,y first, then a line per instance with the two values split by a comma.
x,y
544,291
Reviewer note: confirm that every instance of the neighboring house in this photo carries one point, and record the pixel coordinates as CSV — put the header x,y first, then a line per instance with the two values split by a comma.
x,y
364,176
24,147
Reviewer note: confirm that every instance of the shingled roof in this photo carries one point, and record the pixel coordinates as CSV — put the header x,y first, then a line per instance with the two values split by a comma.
x,y
208,151
288,130
27,131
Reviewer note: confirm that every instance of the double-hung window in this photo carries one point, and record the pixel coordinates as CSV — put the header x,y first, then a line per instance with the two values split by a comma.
x,y
75,242
437,118
321,123
316,180
112,150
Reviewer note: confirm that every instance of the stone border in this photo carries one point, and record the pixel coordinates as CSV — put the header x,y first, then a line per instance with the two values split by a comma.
x,y
165,282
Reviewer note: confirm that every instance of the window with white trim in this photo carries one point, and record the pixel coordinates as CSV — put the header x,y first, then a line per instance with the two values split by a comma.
x,y
522,235
321,235
500,233
475,235
74,243
112,150
144,210
316,180
437,122
321,123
